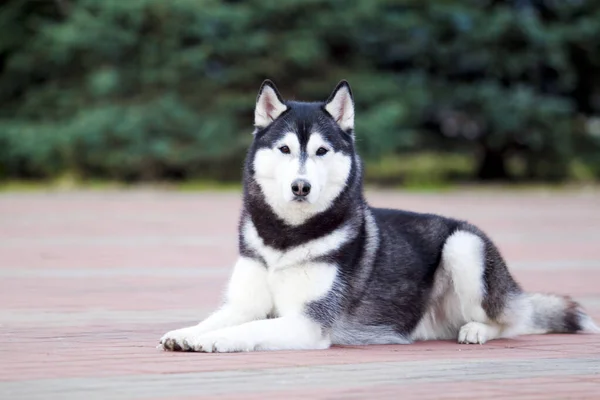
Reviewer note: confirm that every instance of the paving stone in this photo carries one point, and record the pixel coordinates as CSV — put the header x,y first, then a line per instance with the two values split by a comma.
x,y
90,280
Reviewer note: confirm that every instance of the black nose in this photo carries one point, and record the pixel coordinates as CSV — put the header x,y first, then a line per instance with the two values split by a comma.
x,y
300,187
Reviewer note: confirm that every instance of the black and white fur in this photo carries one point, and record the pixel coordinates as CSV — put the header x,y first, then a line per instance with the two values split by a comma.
x,y
320,267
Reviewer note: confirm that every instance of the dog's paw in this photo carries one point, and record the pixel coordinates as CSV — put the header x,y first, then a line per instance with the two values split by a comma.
x,y
217,344
473,333
177,340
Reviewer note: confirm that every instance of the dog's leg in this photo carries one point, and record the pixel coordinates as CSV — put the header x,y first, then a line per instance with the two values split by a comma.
x,y
293,289
500,309
292,332
463,259
247,299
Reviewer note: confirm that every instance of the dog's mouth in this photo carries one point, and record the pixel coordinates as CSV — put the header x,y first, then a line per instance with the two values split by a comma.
x,y
300,199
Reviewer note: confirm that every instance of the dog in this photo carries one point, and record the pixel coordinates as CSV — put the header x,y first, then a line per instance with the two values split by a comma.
x,y
318,266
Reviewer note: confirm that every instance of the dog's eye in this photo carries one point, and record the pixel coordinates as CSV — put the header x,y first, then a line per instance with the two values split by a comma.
x,y
322,151
284,149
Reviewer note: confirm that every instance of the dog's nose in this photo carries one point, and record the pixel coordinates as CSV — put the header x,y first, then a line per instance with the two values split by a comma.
x,y
300,187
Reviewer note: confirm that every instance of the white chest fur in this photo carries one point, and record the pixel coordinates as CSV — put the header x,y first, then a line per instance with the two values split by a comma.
x,y
292,277
292,288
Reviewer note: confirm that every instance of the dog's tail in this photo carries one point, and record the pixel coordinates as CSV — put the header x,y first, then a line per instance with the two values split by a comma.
x,y
558,314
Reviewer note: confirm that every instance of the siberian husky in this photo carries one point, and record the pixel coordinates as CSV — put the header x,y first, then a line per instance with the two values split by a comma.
x,y
318,266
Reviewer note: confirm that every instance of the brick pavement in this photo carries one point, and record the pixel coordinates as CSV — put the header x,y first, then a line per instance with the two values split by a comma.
x,y
90,281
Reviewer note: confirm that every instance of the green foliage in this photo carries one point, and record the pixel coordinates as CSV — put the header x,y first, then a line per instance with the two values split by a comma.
x,y
154,89
421,170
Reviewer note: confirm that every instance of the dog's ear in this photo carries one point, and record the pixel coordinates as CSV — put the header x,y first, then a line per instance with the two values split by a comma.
x,y
340,106
269,105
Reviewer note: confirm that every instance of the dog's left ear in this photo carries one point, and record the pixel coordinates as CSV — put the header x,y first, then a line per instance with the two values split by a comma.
x,y
269,105
340,106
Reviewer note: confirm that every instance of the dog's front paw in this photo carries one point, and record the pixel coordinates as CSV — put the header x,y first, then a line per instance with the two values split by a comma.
x,y
473,332
191,339
217,344
177,340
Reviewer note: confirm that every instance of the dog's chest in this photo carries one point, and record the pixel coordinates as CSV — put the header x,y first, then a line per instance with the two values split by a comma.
x,y
293,287
295,276
296,255
294,279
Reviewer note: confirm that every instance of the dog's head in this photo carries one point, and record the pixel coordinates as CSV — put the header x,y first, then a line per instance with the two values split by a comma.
x,y
303,153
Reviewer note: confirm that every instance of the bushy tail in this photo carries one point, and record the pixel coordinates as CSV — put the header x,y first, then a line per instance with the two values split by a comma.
x,y
558,314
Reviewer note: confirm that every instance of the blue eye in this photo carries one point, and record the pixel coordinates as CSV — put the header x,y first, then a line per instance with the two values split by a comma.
x,y
284,149
322,151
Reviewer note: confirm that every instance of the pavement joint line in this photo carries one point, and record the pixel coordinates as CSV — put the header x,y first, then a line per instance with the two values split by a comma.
x,y
272,379
55,318
123,241
225,270
134,239
479,212
86,272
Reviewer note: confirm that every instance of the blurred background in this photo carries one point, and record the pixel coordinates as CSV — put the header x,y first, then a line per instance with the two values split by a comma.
x,y
155,90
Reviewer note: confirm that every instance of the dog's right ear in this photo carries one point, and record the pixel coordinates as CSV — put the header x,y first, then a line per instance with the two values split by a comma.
x,y
269,105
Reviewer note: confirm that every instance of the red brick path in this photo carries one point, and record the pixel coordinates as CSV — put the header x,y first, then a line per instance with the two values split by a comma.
x,y
90,281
